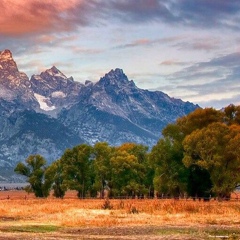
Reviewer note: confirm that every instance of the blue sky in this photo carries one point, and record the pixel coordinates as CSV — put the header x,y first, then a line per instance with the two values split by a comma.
x,y
188,49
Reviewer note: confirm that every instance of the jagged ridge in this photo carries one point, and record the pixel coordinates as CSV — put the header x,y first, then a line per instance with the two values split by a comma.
x,y
50,112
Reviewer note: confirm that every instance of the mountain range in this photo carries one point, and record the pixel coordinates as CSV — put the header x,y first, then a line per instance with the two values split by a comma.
x,y
51,112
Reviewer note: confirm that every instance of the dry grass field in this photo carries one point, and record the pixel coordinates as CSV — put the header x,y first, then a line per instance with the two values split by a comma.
x,y
22,216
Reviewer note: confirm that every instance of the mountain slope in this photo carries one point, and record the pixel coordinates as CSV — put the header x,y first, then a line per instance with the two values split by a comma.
x,y
51,112
127,113
24,131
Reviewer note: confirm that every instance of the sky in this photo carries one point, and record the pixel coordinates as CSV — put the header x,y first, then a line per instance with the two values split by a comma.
x,y
188,49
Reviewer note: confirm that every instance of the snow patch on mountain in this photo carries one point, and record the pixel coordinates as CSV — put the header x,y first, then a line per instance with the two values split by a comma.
x,y
36,77
44,102
58,94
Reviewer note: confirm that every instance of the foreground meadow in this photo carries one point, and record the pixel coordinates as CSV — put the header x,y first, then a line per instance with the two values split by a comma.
x,y
24,217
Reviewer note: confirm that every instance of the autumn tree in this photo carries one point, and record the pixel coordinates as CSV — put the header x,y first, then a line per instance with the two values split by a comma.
x,y
216,148
198,119
232,114
34,170
171,175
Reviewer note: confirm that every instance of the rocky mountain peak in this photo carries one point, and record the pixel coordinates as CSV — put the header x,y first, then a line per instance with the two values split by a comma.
x,y
88,83
54,69
114,77
54,90
117,72
7,64
14,85
5,55
53,72
9,70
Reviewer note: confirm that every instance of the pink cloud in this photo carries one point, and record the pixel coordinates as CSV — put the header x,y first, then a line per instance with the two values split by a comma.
x,y
148,42
86,50
172,62
169,62
139,42
20,17
204,44
54,39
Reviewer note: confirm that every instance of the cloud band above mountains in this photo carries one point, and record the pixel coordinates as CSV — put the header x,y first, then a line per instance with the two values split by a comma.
x,y
20,17
187,48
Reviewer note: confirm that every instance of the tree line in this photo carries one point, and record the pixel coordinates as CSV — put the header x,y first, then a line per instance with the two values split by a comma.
x,y
197,156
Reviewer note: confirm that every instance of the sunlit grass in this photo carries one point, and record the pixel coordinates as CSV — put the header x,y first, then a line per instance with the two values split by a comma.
x,y
72,212
21,215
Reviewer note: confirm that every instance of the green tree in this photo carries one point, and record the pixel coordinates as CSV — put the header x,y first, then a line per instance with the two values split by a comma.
x,y
141,153
34,170
146,170
138,150
127,174
76,164
54,174
216,149
170,174
199,184
102,153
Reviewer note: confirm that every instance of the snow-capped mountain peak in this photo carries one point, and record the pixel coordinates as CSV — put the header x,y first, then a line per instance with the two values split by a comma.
x,y
55,89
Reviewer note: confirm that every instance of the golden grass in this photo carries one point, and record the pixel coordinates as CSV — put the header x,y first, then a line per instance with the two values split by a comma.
x,y
72,212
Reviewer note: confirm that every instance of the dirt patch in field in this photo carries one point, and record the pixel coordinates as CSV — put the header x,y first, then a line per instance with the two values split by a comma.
x,y
130,233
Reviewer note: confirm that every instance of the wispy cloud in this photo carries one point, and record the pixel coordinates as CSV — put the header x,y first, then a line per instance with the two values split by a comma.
x,y
206,14
209,80
141,10
199,44
149,42
55,40
202,14
221,101
173,62
226,66
87,51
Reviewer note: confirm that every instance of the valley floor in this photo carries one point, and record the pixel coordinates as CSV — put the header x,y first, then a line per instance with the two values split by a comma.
x,y
22,216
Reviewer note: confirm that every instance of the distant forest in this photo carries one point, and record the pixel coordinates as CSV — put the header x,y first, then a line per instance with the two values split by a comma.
x,y
198,156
